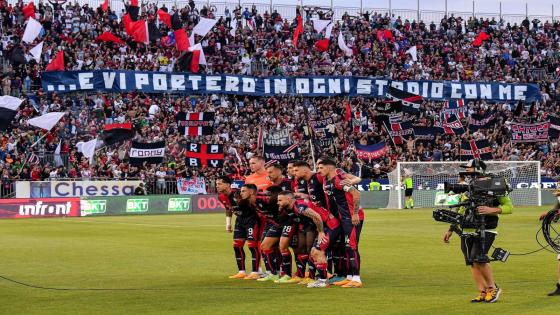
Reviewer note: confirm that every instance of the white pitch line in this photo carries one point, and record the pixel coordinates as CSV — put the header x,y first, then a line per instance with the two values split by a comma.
x,y
142,224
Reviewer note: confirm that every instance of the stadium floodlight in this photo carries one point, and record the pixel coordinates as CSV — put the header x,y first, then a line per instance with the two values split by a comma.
x,y
428,178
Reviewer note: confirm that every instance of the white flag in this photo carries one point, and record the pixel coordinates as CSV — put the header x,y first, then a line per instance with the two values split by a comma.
x,y
342,45
47,121
328,32
37,51
10,102
32,30
204,26
319,25
57,158
88,149
202,58
233,27
413,52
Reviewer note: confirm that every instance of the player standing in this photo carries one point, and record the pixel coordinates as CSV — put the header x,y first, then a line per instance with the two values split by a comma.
x,y
351,215
226,195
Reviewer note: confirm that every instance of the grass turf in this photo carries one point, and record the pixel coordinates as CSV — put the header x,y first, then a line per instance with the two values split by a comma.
x,y
184,261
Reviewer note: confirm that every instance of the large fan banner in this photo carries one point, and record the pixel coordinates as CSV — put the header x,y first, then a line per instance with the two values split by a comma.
x,y
326,86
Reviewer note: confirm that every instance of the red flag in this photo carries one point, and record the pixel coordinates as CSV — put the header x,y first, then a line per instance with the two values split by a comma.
x,y
388,35
109,37
322,45
29,11
164,17
181,40
105,5
126,20
482,36
139,31
298,31
195,61
133,3
348,112
57,64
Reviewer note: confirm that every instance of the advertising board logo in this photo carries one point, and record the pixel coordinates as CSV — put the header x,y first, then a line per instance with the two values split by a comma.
x,y
90,207
137,205
41,209
179,205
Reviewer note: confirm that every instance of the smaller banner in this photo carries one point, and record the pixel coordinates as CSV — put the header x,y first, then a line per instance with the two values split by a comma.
x,y
397,130
485,121
195,124
191,186
476,149
202,155
117,133
454,107
451,126
39,208
410,102
426,133
151,153
277,137
536,132
370,152
48,189
281,154
360,121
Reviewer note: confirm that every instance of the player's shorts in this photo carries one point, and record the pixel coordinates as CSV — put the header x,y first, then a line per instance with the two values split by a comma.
x,y
306,225
272,230
408,192
351,233
289,230
471,245
248,231
331,236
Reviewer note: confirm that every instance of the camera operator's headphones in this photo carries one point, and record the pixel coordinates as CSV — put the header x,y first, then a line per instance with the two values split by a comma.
x,y
477,164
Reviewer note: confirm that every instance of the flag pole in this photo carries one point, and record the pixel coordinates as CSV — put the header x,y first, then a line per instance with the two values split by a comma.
x,y
313,154
42,137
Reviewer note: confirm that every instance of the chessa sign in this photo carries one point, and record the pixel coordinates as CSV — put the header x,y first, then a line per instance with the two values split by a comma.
x,y
49,189
36,208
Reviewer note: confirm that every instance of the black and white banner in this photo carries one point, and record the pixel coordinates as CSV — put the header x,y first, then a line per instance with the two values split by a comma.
x,y
281,154
277,137
323,86
151,153
536,132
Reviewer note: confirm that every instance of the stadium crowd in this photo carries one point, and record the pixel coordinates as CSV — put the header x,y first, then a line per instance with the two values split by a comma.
x,y
263,46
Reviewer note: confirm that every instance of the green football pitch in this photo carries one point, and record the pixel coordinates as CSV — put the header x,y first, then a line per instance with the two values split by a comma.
x,y
179,264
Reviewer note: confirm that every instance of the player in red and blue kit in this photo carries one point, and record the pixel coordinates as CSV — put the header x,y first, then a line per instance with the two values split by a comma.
x,y
351,215
328,228
246,228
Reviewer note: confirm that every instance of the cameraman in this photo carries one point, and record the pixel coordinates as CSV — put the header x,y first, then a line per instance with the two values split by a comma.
x,y
471,242
556,208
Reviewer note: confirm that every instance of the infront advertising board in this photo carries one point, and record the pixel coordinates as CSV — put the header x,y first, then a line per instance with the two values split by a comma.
x,y
48,189
39,208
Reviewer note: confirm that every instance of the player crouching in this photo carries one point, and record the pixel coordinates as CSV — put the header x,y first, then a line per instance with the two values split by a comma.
x,y
328,228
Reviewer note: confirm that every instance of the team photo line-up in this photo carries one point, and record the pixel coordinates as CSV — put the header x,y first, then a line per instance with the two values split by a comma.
x,y
318,215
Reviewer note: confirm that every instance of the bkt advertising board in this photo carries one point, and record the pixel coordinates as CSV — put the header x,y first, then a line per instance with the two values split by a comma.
x,y
48,189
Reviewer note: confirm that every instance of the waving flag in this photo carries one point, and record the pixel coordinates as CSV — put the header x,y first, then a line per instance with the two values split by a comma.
x,y
9,106
109,37
47,121
164,17
476,149
370,152
116,133
37,51
482,36
455,107
57,64
298,31
204,26
360,121
32,30
411,102
105,6
451,126
342,45
485,121
29,11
